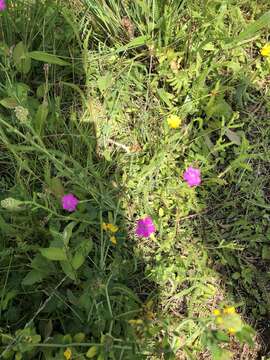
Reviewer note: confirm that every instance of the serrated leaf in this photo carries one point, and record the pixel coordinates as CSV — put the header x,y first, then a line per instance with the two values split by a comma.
x,y
53,253
47,58
165,97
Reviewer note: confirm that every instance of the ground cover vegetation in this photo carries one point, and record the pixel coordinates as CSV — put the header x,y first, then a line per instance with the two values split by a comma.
x,y
134,179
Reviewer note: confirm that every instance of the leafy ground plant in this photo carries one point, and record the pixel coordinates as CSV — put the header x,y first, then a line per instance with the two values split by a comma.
x,y
134,157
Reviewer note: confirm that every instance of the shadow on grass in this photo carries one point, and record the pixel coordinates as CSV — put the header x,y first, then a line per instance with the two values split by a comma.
x,y
235,232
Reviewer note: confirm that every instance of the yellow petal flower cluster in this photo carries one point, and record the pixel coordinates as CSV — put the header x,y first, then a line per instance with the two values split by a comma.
x,y
111,228
174,121
265,50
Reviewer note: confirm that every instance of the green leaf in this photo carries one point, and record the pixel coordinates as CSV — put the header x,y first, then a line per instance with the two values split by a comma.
x,y
34,276
47,58
231,135
134,43
41,264
104,82
78,260
209,47
81,253
21,58
79,338
251,30
7,298
219,353
218,109
56,187
9,103
67,233
165,97
53,253
18,356
246,335
92,352
266,252
222,336
46,328
68,270
42,90
41,117
233,321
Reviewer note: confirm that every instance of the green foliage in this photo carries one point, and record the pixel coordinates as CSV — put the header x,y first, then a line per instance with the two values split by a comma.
x,y
86,88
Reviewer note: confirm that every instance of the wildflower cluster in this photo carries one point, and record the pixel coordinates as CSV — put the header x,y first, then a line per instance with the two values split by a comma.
x,y
111,229
145,227
227,319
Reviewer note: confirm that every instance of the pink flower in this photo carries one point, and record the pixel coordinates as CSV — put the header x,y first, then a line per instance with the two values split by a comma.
x,y
145,227
69,202
192,176
2,5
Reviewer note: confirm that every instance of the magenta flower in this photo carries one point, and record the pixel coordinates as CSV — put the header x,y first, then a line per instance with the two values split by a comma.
x,y
145,227
192,176
2,5
69,202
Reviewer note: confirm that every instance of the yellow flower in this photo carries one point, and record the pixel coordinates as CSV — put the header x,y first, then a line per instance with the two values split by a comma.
x,y
68,354
104,226
113,240
231,331
174,121
219,320
112,228
265,50
229,310
216,312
